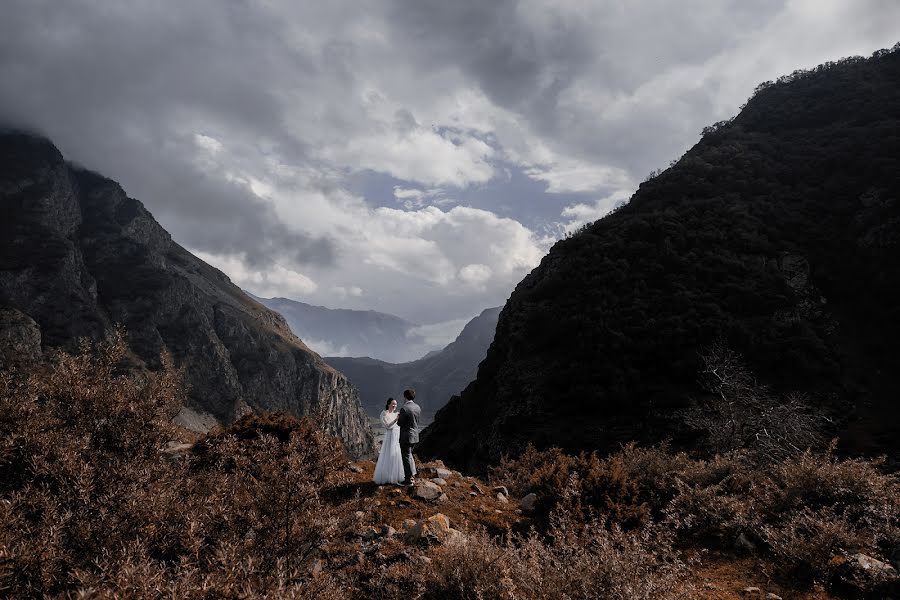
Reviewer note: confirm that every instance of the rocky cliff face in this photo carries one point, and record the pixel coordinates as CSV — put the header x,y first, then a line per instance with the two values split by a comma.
x,y
779,232
435,377
78,256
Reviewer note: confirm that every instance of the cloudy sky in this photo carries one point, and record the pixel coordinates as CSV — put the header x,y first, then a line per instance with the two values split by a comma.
x,y
415,157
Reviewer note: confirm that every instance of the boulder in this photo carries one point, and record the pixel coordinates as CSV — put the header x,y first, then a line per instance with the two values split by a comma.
x,y
529,502
388,532
743,544
442,473
20,337
863,575
426,490
434,529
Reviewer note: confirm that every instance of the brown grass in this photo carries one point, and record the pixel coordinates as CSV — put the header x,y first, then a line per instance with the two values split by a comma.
x,y
93,505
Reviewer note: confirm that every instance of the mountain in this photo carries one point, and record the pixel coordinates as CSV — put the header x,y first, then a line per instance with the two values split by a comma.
x,y
351,332
435,377
78,256
778,233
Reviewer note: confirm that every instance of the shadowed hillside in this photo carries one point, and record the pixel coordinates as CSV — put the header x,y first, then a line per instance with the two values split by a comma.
x,y
77,256
778,233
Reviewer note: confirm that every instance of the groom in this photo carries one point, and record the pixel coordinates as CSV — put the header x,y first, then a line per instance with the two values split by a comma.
x,y
409,434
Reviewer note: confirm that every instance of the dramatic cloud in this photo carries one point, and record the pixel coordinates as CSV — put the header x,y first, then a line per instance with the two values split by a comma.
x,y
407,156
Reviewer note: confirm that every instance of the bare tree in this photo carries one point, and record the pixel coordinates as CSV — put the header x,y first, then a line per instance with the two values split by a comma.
x,y
740,412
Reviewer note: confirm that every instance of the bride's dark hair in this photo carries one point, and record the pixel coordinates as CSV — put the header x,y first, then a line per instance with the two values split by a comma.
x,y
388,405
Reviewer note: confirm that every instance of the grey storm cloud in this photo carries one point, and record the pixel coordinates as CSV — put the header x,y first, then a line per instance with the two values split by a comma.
x,y
246,126
108,84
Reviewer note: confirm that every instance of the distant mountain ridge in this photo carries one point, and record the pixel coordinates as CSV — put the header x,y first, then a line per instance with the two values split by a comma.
x,y
435,377
77,256
778,232
346,332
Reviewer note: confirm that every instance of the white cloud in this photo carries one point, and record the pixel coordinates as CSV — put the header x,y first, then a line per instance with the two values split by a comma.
x,y
208,143
438,335
274,280
326,348
580,214
579,176
419,155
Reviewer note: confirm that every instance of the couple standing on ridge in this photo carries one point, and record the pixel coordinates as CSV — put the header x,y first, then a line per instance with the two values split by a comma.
x,y
395,461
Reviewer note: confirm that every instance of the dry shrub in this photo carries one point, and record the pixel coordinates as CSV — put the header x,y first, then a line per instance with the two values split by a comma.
x,y
577,560
91,505
604,486
814,505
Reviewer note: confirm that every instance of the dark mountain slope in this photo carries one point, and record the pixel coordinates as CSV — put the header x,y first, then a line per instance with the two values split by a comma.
x,y
779,232
435,377
78,256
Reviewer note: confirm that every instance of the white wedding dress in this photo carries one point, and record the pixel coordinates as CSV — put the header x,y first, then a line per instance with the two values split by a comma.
x,y
389,468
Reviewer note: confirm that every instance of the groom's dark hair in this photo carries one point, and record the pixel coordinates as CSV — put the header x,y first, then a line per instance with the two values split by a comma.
x,y
409,394
388,405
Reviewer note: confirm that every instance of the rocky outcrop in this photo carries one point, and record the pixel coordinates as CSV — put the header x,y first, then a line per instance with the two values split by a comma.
x,y
20,338
78,256
777,233
436,377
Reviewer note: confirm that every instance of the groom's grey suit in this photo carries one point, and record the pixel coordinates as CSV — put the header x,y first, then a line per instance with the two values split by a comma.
x,y
409,436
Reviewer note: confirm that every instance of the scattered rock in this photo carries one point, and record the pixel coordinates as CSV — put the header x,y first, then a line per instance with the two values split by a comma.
x,y
473,493
175,450
434,529
359,515
862,575
439,464
426,490
751,592
771,596
315,569
423,559
408,524
501,489
388,532
442,498
502,498
443,473
370,533
354,468
439,481
528,502
743,544
477,488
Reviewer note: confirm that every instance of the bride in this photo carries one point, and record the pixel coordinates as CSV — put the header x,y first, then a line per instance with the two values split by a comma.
x,y
389,468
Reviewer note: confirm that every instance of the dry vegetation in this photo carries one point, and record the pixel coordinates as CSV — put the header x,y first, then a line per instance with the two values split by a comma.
x,y
94,503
